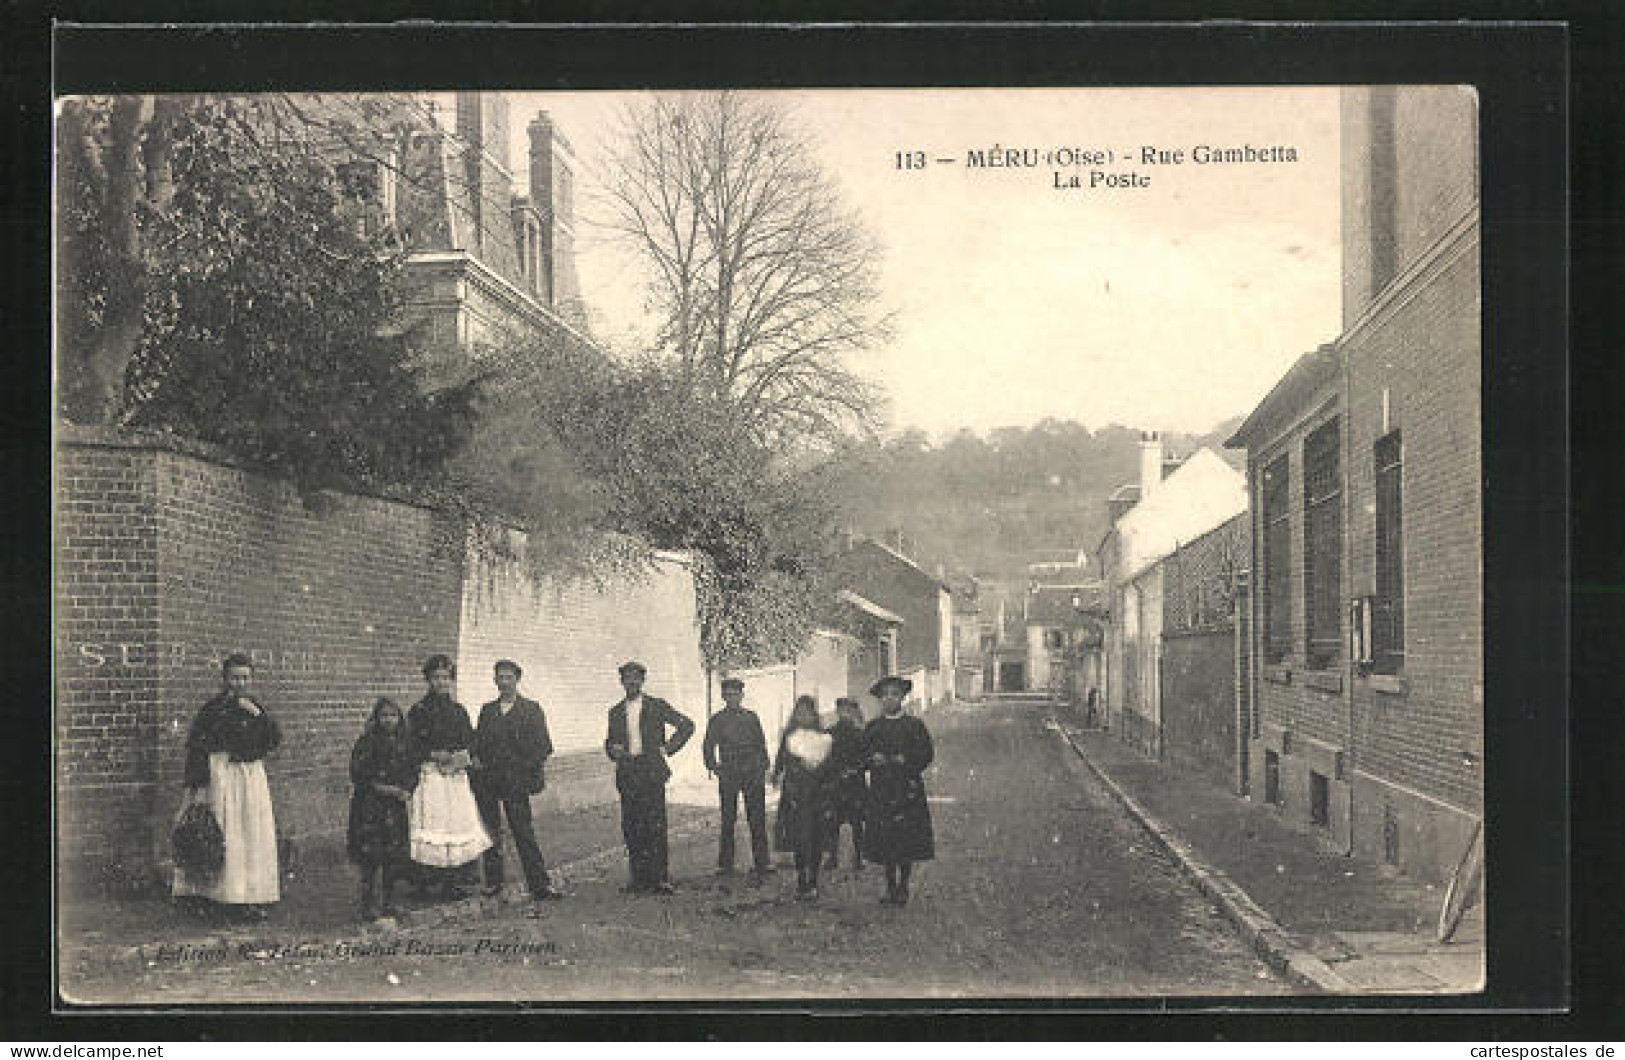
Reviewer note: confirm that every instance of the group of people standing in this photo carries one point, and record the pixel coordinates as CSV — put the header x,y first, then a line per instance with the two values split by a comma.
x,y
431,788
865,777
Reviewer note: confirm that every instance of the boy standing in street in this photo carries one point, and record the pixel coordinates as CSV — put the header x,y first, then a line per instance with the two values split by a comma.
x,y
736,754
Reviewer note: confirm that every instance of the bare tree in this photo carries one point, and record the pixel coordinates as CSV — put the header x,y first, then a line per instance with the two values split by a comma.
x,y
763,281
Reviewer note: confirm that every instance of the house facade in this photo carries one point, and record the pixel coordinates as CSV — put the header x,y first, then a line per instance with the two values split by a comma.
x,y
1065,629
1364,467
894,588
1173,506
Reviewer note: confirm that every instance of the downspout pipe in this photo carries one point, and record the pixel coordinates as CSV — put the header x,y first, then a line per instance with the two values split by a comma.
x,y
1350,666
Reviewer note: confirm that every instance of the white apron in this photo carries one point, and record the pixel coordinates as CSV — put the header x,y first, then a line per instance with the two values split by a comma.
x,y
446,825
241,800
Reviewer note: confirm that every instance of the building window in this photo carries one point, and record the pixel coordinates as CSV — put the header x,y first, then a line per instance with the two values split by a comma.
x,y
368,187
1276,596
1322,546
1054,639
1388,608
1320,800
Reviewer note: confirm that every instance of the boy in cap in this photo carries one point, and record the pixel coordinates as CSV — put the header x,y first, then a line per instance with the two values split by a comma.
x,y
736,754
639,747
850,788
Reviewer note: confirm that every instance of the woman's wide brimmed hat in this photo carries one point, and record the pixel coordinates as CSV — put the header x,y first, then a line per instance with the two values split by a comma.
x,y
879,687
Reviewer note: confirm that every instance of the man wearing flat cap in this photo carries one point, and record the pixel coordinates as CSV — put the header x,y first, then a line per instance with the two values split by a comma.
x,y
639,747
736,754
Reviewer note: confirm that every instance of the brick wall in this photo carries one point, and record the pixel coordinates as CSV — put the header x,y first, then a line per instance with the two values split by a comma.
x,y
1418,185
107,701
1199,651
336,606
1199,579
1425,730
169,558
1199,704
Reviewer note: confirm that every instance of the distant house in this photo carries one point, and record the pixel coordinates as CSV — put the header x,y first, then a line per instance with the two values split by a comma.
x,y
892,586
969,661
1174,505
1364,466
1058,565
1002,632
877,631
1065,627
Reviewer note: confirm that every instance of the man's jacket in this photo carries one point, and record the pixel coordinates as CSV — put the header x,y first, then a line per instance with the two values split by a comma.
x,y
650,765
512,749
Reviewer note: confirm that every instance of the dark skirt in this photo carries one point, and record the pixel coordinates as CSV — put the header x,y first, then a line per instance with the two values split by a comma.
x,y
378,829
802,812
849,798
897,820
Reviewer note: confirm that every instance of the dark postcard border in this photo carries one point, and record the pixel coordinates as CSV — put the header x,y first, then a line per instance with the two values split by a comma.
x,y
1522,78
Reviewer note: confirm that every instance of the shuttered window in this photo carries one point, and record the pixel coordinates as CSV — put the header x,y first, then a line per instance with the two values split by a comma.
x,y
1388,609
1322,546
1277,559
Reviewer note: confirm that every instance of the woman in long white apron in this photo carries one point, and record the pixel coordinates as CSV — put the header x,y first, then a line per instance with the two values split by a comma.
x,y
446,830
225,771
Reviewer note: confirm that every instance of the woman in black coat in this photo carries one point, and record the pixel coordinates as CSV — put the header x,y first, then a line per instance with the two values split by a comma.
x,y
225,752
897,826
802,769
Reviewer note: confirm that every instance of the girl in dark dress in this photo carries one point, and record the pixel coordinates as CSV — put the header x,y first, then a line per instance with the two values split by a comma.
x,y
802,770
849,791
897,826
384,772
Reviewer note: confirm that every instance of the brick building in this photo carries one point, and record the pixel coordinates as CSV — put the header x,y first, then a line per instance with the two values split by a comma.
x,y
886,579
489,239
488,253
1364,466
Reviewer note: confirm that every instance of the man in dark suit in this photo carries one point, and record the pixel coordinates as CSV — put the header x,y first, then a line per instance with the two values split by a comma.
x,y
511,748
638,745
736,754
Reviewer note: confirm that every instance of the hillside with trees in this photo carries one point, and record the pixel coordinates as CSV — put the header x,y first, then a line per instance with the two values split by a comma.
x,y
982,503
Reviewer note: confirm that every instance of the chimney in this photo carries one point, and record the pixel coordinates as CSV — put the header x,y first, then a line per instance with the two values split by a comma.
x,y
552,192
482,125
1150,463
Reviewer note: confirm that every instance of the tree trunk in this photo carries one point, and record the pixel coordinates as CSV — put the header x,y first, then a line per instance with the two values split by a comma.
x,y
120,332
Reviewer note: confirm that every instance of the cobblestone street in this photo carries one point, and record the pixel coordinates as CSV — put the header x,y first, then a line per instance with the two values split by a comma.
x,y
1042,887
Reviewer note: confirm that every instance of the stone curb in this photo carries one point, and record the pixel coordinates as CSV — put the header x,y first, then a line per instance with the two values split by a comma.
x,y
477,906
1259,928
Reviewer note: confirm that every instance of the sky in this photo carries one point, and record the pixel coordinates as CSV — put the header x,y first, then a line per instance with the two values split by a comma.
x,y
1169,306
